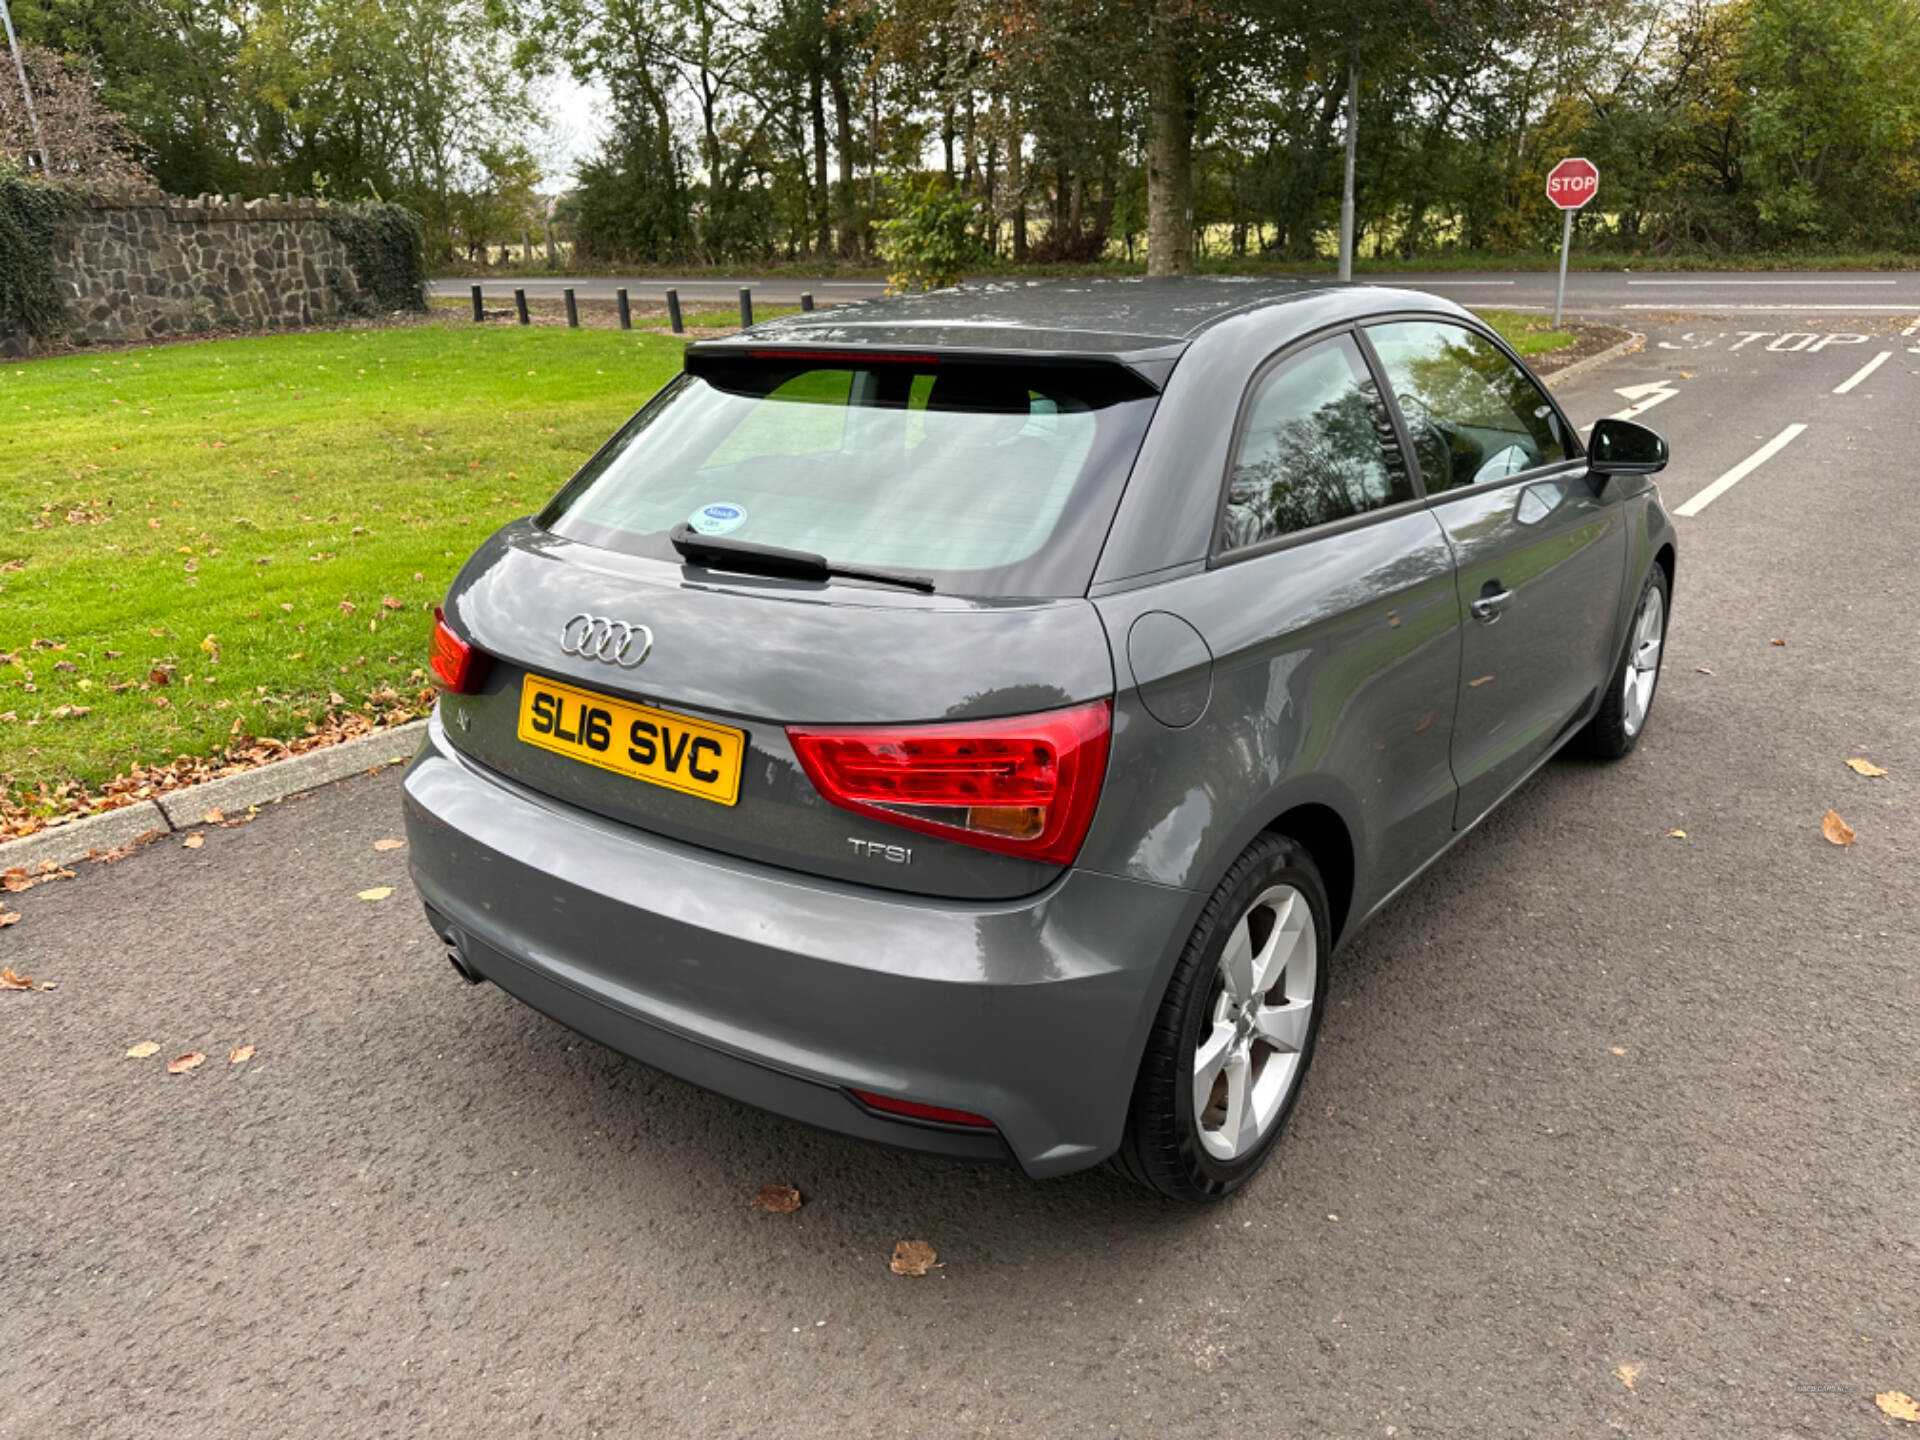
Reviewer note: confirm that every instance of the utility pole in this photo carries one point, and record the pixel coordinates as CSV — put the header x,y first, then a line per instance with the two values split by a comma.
x,y
1346,189
26,90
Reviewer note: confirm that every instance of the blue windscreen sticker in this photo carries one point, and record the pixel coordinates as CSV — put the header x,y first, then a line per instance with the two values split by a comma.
x,y
718,519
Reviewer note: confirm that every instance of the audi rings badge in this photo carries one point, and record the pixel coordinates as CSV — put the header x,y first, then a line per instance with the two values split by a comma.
x,y
613,642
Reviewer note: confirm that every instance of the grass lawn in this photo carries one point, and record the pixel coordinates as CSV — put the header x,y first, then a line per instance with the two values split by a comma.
x,y
1528,334
243,536
265,523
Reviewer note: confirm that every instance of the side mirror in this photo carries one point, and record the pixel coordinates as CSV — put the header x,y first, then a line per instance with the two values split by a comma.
x,y
1620,447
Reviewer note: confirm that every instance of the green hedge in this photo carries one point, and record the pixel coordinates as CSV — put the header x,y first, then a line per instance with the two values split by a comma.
x,y
388,258
32,215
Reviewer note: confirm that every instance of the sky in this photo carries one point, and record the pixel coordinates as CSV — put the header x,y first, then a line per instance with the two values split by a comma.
x,y
575,125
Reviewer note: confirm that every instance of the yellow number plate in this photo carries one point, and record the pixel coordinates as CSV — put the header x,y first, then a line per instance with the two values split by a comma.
x,y
634,740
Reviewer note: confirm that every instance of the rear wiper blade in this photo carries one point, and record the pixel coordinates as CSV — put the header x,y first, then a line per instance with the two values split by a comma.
x,y
717,552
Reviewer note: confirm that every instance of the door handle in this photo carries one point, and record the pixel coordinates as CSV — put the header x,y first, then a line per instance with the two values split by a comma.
x,y
1491,602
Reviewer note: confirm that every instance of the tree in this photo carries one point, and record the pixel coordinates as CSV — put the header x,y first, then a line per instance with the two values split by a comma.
x,y
83,139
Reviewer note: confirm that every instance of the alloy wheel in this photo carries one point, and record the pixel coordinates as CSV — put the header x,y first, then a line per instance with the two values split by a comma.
x,y
1643,659
1247,1060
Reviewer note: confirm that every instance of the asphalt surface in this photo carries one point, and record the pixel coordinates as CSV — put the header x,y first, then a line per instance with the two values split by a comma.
x,y
1608,293
1610,1132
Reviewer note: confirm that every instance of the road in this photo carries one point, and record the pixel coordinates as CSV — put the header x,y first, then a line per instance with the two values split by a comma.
x,y
1611,1131
1609,293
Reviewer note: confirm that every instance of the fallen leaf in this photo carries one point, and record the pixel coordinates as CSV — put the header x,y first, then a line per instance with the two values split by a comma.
x,y
9,980
778,1199
213,817
1900,1405
143,1050
241,1056
1626,1374
1476,684
1701,670
1776,641
388,844
1837,831
1676,834
379,892
9,917
192,1060
1617,1049
1865,767
194,841
913,1257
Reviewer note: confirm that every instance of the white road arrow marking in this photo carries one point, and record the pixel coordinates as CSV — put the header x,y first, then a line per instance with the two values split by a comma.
x,y
1645,397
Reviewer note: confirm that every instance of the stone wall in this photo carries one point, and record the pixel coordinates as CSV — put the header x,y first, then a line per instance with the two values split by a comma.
x,y
142,265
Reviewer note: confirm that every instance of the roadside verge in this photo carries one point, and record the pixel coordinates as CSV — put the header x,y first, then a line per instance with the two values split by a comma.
x,y
230,795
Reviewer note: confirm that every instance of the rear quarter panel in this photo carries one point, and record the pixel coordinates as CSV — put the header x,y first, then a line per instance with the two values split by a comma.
x,y
1333,680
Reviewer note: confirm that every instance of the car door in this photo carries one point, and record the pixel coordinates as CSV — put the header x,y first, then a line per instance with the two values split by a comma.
x,y
1538,554
1314,659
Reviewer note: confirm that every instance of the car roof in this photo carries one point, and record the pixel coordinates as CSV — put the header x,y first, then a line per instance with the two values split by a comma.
x,y
1133,319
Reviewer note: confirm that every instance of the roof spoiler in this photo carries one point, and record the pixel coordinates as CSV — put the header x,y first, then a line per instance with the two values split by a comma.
x,y
718,358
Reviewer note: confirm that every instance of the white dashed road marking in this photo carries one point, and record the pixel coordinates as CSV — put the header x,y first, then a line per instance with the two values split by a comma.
x,y
1863,372
1784,309
1740,472
1746,284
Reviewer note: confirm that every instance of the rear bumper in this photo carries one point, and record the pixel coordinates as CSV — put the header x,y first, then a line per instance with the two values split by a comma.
x,y
787,992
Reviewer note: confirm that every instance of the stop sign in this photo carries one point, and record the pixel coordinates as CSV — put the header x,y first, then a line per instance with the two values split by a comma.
x,y
1572,183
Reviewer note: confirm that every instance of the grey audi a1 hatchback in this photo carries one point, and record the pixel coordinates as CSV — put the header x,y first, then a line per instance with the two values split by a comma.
x,y
974,722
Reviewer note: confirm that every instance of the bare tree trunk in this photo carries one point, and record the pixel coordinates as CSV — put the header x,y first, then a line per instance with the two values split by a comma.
x,y
823,228
1017,184
843,150
873,165
993,215
1170,112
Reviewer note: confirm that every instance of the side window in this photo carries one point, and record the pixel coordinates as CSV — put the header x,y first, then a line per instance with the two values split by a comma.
x,y
1474,416
1318,446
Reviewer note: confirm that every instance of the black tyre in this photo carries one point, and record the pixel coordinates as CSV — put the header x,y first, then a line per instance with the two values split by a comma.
x,y
1628,700
1230,1047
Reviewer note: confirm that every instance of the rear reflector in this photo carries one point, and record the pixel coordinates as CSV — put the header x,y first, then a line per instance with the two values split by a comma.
x,y
1020,787
914,1110
458,668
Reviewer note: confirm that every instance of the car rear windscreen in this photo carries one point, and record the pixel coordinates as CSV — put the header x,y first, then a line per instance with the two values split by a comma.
x,y
991,479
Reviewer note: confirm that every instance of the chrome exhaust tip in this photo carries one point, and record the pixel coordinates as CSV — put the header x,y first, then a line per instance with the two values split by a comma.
x,y
456,949
461,968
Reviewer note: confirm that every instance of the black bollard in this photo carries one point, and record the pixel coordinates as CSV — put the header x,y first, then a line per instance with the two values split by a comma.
x,y
746,307
626,313
520,304
673,312
573,311
479,307
806,300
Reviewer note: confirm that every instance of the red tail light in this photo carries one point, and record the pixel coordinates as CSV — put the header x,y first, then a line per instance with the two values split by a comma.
x,y
1020,787
914,1110
458,668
